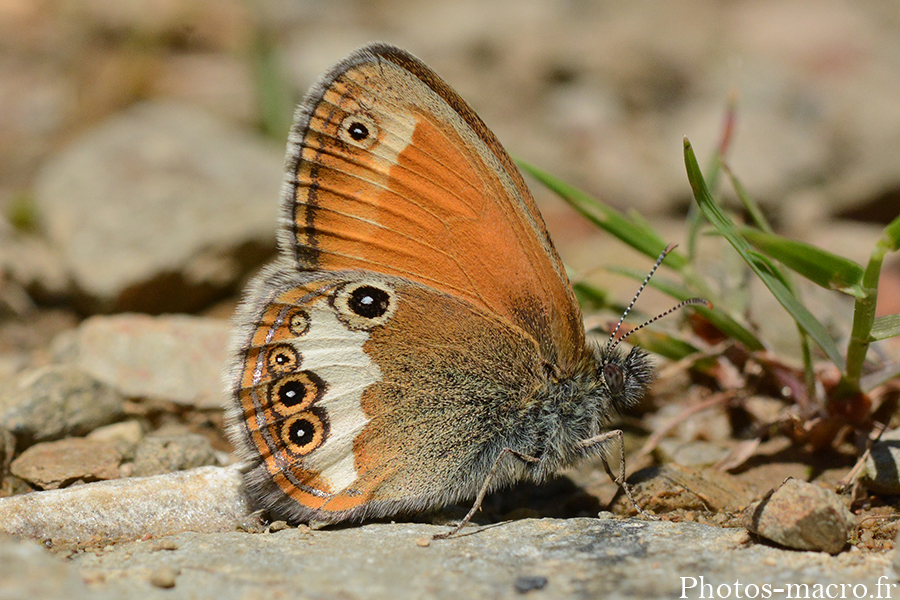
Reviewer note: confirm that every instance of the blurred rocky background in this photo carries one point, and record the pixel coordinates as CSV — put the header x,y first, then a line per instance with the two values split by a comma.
x,y
141,150
141,141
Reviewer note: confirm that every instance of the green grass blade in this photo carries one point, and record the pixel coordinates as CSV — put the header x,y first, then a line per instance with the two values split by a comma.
x,y
819,266
864,308
273,94
764,269
590,297
22,213
890,237
753,209
635,233
759,219
720,320
885,327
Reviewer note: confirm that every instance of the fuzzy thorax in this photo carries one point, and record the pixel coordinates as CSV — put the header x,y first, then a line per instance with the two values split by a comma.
x,y
577,407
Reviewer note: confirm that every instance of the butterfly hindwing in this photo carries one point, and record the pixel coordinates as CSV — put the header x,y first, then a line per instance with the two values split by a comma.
x,y
351,388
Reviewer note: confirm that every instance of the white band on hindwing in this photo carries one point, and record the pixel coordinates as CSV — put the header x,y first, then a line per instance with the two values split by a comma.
x,y
335,353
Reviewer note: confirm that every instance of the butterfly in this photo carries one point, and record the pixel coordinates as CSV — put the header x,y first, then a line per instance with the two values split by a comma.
x,y
416,342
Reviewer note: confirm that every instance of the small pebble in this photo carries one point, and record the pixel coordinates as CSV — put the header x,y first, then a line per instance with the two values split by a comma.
x,y
803,516
125,435
163,577
278,526
524,585
165,544
423,542
881,475
741,538
51,465
158,454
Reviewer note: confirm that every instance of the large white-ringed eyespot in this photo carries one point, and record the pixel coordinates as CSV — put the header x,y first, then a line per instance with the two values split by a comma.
x,y
296,392
364,305
359,130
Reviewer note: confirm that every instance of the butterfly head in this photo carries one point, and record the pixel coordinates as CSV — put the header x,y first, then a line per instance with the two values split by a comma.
x,y
624,377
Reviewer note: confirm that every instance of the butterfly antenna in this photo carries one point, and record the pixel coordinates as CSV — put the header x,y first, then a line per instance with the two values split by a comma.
x,y
681,304
613,342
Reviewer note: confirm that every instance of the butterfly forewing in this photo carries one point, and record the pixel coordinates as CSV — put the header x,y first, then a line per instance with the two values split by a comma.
x,y
392,172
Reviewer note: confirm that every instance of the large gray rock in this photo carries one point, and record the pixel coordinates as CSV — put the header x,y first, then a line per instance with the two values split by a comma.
x,y
177,358
27,570
205,499
543,558
161,208
57,401
549,558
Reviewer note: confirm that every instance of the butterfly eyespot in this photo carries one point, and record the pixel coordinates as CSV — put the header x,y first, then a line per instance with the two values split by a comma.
x,y
365,305
296,392
305,432
614,377
281,359
359,130
298,322
369,302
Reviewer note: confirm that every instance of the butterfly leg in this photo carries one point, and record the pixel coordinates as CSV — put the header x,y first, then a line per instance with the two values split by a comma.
x,y
484,489
615,437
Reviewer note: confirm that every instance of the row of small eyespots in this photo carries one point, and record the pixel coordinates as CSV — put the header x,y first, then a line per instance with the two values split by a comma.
x,y
295,422
300,426
282,358
286,409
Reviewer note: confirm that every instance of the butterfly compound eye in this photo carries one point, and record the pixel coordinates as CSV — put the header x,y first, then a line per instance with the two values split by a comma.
x,y
614,377
364,305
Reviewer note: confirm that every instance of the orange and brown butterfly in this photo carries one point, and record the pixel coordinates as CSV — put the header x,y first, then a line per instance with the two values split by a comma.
x,y
417,341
